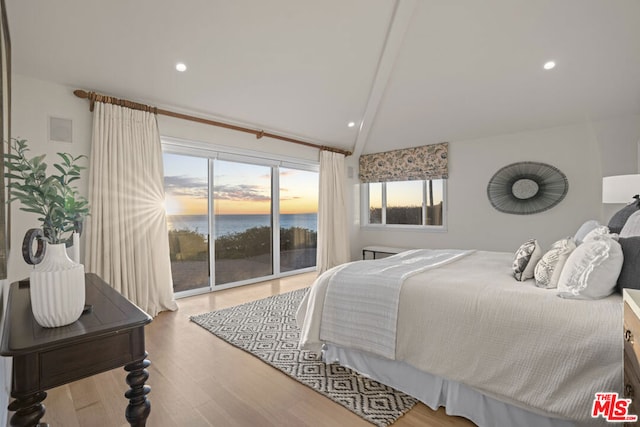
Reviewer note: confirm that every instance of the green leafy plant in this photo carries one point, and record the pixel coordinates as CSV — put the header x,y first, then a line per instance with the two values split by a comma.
x,y
59,205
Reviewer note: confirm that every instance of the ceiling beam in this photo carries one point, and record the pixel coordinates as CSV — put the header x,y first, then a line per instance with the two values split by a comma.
x,y
393,43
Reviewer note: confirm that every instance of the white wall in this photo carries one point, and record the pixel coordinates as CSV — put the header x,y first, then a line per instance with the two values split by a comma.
x,y
618,140
581,151
584,152
35,100
187,130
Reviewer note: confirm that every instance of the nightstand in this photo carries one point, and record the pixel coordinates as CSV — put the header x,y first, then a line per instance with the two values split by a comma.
x,y
631,388
110,335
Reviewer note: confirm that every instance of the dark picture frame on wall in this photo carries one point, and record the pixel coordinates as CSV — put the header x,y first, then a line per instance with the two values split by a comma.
x,y
5,128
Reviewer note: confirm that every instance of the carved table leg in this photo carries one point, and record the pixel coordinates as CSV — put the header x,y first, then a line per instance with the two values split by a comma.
x,y
139,407
28,410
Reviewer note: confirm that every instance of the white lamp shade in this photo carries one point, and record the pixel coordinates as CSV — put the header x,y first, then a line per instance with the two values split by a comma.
x,y
620,188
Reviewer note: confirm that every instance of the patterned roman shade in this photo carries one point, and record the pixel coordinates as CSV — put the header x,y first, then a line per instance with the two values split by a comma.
x,y
407,164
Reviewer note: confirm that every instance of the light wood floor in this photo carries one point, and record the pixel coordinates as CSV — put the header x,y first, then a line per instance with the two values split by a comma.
x,y
197,379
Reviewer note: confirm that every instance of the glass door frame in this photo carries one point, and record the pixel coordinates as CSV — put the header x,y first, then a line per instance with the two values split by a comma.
x,y
211,153
273,171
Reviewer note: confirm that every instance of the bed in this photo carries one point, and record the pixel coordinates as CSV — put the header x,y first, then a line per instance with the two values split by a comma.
x,y
458,331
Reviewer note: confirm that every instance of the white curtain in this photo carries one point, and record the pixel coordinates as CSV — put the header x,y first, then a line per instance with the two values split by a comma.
x,y
127,241
333,230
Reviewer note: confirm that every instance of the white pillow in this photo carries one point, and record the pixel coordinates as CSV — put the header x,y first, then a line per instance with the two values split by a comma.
x,y
632,226
592,270
525,260
584,230
549,268
599,231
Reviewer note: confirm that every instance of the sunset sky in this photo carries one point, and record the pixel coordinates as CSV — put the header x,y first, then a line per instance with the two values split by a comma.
x,y
403,193
239,188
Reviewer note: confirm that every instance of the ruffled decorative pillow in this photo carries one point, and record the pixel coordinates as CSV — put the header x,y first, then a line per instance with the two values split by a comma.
x,y
592,269
602,230
548,270
584,230
526,258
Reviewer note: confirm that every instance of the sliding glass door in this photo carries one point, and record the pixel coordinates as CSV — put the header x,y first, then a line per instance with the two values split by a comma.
x,y
186,186
298,195
234,220
243,221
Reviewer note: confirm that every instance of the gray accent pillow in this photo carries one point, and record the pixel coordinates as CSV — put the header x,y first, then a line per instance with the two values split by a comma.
x,y
619,219
630,274
632,226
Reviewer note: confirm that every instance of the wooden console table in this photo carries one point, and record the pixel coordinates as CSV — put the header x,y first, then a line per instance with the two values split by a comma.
x,y
109,335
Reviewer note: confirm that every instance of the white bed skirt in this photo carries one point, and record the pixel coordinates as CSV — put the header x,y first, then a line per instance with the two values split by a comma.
x,y
435,392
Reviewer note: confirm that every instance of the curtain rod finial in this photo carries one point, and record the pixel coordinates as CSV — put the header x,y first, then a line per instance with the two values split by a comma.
x,y
81,93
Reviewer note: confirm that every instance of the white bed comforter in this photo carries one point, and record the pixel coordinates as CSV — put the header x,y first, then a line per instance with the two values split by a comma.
x,y
353,297
470,321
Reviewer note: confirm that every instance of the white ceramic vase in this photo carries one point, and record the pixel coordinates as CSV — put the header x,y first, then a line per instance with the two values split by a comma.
x,y
57,288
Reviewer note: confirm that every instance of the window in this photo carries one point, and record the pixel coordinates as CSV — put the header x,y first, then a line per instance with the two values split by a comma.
x,y
243,217
298,218
404,203
186,187
235,219
405,187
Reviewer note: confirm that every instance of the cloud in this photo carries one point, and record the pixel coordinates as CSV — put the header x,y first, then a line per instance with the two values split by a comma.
x,y
283,173
242,192
285,198
183,185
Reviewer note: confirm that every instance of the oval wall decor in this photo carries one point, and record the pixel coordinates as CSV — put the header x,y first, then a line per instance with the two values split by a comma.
x,y
526,188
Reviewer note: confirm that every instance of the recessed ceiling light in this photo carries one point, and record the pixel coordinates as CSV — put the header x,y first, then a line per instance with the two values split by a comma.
x,y
549,65
181,67
351,124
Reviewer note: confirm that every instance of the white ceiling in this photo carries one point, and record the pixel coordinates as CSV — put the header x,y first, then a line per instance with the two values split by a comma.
x,y
412,72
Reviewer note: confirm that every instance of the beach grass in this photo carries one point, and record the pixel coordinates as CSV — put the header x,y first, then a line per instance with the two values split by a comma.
x,y
238,256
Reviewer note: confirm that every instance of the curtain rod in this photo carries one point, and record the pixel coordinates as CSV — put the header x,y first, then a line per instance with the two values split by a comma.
x,y
96,97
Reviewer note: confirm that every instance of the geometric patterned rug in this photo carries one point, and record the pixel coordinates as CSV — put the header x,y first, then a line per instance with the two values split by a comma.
x,y
267,329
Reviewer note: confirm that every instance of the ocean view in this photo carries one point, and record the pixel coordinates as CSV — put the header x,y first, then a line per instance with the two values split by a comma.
x,y
229,224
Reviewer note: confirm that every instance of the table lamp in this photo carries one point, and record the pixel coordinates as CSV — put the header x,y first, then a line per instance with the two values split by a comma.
x,y
620,188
